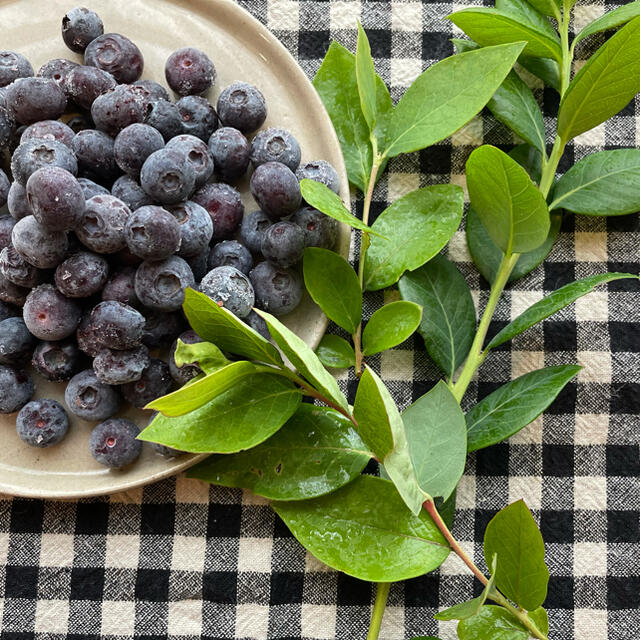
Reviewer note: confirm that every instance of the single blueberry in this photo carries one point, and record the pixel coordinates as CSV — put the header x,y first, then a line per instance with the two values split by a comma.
x,y
283,244
319,230
95,153
49,130
32,155
117,109
90,399
134,144
276,190
57,361
198,116
101,227
242,106
230,151
189,71
161,285
165,117
167,177
39,246
277,291
116,54
120,367
117,325
13,66
152,233
42,423
120,287
225,207
16,389
17,270
160,328
16,342
253,228
81,275
229,288
58,70
84,84
17,201
275,145
29,100
230,253
196,227
49,315
113,443
130,192
80,26
197,154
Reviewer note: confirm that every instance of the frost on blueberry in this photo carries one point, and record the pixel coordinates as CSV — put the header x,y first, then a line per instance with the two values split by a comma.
x,y
230,288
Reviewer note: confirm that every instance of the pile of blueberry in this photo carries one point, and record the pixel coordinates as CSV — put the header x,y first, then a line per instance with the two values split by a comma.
x,y
120,199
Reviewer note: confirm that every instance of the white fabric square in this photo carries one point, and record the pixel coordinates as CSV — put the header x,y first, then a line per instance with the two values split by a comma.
x,y
255,554
590,492
466,493
596,366
590,623
397,364
195,491
4,548
188,553
118,617
458,249
590,559
406,16
591,246
399,184
526,361
594,307
522,300
531,434
404,71
591,428
344,15
56,550
392,627
312,564
527,488
252,621
584,14
122,552
593,138
52,616
185,618
283,15
470,135
318,621
453,565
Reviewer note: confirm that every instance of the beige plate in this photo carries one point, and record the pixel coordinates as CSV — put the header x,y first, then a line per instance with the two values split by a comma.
x,y
242,49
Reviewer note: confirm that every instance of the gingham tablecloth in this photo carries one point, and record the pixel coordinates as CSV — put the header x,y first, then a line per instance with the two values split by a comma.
x,y
184,560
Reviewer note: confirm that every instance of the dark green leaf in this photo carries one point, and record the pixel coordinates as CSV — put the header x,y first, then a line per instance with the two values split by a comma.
x,y
604,86
240,418
515,405
416,227
513,537
208,357
389,326
610,20
366,515
335,352
492,623
540,619
334,287
528,14
446,96
448,315
315,452
552,303
544,68
606,183
547,7
530,159
463,44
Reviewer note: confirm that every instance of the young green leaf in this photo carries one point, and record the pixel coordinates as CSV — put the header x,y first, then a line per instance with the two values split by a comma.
x,y
334,287
528,14
240,418
389,326
544,68
492,623
446,96
610,20
515,405
604,86
218,325
335,352
606,183
511,207
366,515
540,619
208,357
316,452
416,227
513,537
552,303
304,360
448,322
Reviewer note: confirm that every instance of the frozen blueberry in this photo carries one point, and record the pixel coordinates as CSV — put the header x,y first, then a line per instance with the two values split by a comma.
x,y
95,153
283,244
16,343
116,54
90,399
7,223
48,130
199,264
253,228
230,288
275,145
57,69
198,116
32,155
8,311
225,207
91,188
39,246
87,337
130,192
197,154
165,117
258,324
163,450
242,106
16,389
117,325
113,443
319,230
152,233
167,177
32,99
320,171
186,372
80,26
17,201
155,382
120,287
57,361
230,253
160,328
13,66
17,270
196,227
81,275
161,285
278,291
11,293
117,109
49,315
120,367
42,423
230,151
134,144
101,227
156,91
84,84
276,190
189,71
5,185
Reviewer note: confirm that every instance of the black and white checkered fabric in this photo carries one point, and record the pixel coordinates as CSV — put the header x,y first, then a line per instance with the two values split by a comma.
x,y
184,560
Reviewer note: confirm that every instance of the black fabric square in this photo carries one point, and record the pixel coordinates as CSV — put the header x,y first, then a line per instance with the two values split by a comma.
x,y
92,518
436,159
422,591
623,526
21,582
495,326
628,223
481,520
565,402
623,593
380,42
556,526
624,336
280,529
560,335
313,44
286,587
157,519
87,583
224,520
18,635
352,592
625,397
550,104
436,45
557,460
152,584
560,593
493,461
220,586
631,285
623,460
26,516
557,274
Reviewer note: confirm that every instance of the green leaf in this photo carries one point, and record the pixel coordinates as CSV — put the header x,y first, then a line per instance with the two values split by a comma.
x,y
218,325
335,352
492,27
448,322
540,619
512,535
530,159
552,303
240,418
446,96
544,68
207,355
389,326
304,359
606,183
511,207
416,227
437,436
334,287
604,86
525,13
547,7
610,20
492,623
515,405
381,428
316,452
365,530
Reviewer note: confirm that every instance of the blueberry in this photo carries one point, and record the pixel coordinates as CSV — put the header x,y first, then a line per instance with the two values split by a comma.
x,y
95,153
116,54
16,389
49,315
11,293
113,443
32,155
161,285
101,227
152,233
32,99
276,190
189,71
283,244
160,329
57,361
120,367
196,227
320,171
90,399
186,372
198,116
199,264
156,91
117,325
49,130
16,343
5,185
81,275
8,311
253,228
130,192
242,106
163,450
167,177
17,270
230,288
84,84
258,324
134,144
165,117
87,337
6,230
91,188
80,26
197,154
230,151
42,423
17,201
319,230
117,109
39,246
278,291
57,69
275,145
230,253
154,383
120,287
13,66
224,206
